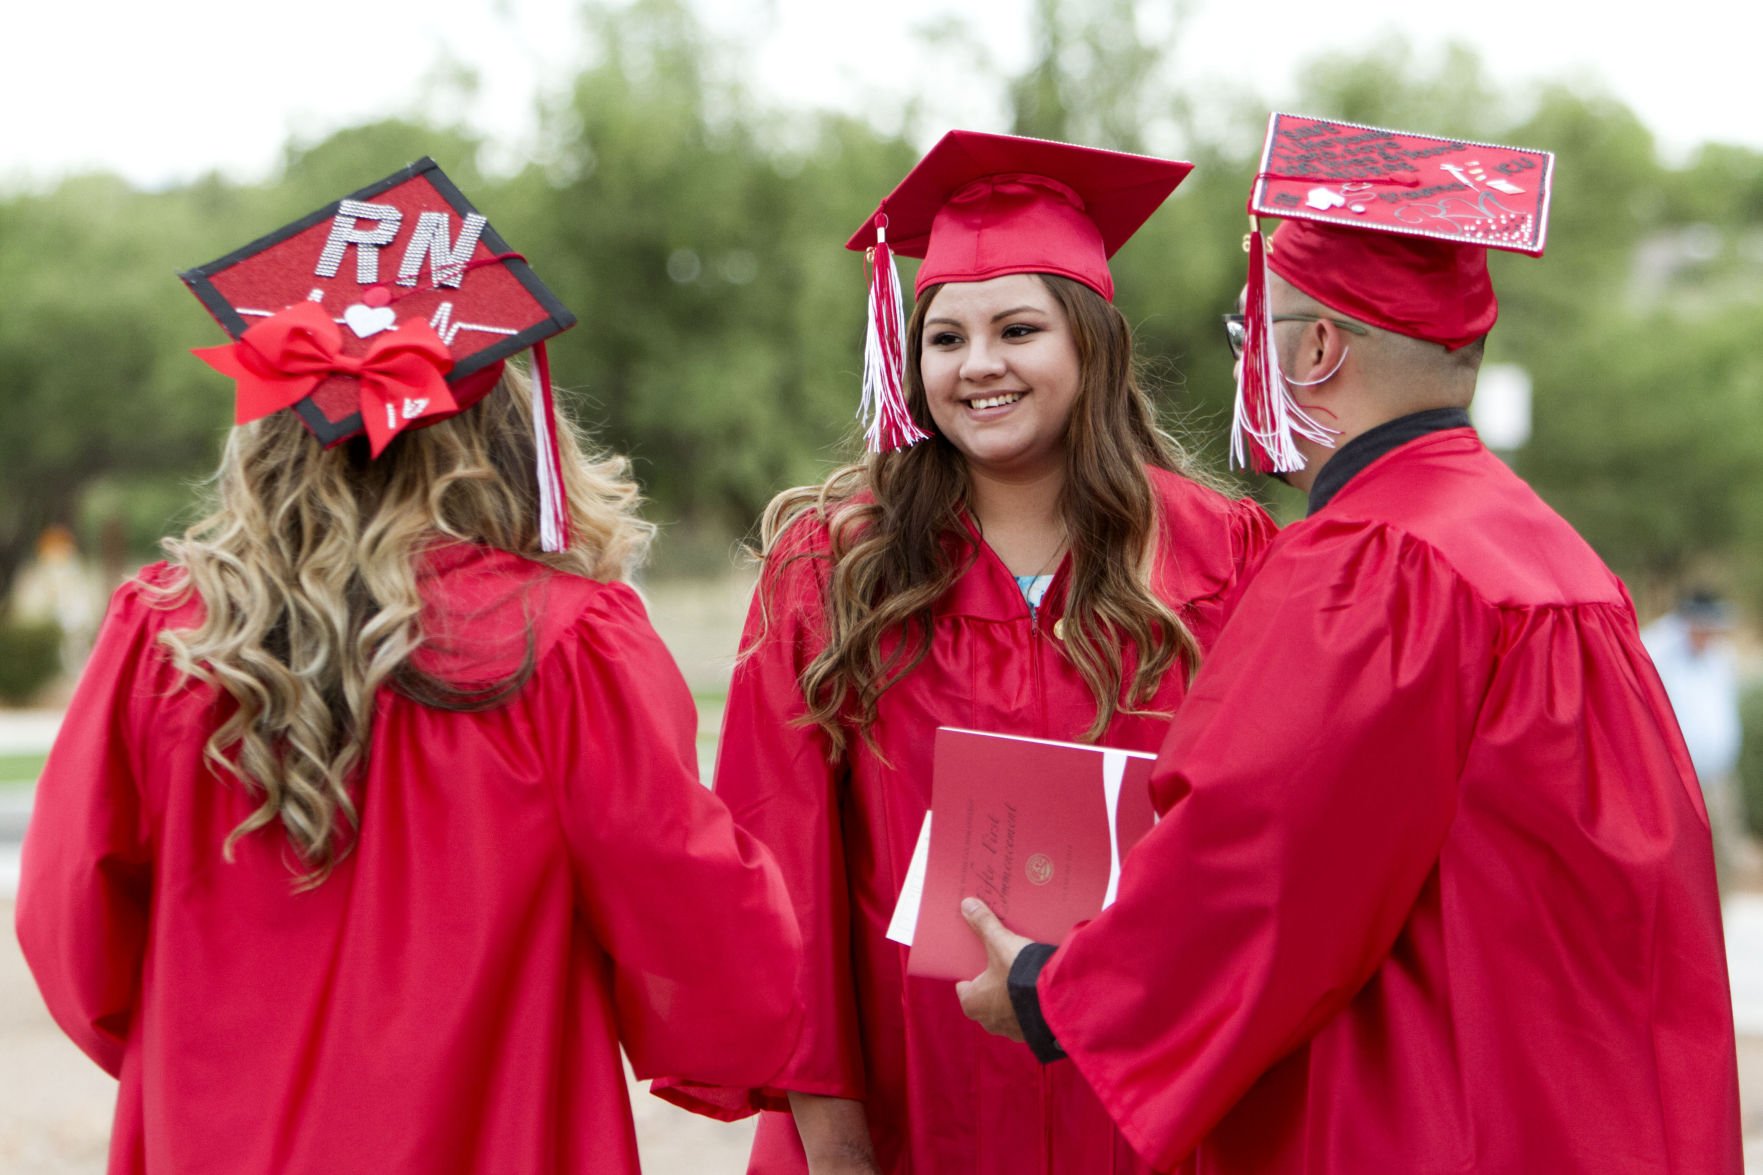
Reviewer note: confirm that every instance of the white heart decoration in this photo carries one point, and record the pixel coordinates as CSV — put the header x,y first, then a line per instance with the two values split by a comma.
x,y
414,408
368,320
1322,199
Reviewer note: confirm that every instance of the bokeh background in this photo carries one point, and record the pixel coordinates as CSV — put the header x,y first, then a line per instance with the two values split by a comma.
x,y
684,173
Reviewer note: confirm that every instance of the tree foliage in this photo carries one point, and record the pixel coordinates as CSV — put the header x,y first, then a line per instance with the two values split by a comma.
x,y
697,234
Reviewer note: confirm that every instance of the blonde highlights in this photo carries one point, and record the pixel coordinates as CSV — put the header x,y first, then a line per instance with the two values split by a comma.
x,y
898,541
308,565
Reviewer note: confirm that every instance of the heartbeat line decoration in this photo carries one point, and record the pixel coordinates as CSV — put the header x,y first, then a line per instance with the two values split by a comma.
x,y
1368,177
407,251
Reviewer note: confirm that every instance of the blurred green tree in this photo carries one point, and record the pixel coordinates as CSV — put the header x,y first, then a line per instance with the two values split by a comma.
x,y
699,239
91,343
698,234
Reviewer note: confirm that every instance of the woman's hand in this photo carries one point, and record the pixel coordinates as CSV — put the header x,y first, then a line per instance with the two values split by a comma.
x,y
835,1135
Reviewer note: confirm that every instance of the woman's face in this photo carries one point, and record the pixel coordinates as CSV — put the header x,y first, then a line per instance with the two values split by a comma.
x,y
1000,373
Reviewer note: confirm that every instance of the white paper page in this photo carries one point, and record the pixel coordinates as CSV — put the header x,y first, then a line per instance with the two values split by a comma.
x,y
905,920
1113,776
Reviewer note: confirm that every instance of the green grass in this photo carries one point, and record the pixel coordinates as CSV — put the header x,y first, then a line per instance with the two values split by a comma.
x,y
21,770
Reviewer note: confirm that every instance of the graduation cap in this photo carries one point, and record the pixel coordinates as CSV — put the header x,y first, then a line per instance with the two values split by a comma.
x,y
387,310
1387,227
980,206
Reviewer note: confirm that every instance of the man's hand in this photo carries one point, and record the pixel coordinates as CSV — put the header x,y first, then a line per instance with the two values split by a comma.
x,y
986,998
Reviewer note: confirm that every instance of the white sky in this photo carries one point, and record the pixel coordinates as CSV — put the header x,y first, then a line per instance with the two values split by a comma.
x,y
165,90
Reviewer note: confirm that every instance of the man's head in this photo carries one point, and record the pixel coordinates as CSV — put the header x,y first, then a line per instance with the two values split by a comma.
x,y
1397,373
1372,300
1707,619
1386,343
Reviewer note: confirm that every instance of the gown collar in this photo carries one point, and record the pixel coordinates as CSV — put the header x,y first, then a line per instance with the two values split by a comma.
x,y
1368,446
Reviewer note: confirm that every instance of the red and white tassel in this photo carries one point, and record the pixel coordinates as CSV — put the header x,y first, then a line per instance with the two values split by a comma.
x,y
888,423
553,499
1267,419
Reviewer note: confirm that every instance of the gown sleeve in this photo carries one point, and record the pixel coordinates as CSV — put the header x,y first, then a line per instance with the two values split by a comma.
x,y
690,909
86,875
1308,783
780,780
1252,529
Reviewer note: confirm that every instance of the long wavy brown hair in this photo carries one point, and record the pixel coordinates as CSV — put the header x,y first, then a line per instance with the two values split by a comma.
x,y
307,565
899,542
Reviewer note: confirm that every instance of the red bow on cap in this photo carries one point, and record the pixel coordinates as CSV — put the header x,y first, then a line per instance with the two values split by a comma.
x,y
280,361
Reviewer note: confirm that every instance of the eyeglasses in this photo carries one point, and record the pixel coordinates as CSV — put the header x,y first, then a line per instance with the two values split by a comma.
x,y
1236,333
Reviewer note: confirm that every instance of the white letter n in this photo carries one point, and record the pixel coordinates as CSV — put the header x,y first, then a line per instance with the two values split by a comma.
x,y
446,259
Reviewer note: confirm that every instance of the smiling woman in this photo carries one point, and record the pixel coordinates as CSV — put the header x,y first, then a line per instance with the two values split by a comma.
x,y
1000,374
1042,562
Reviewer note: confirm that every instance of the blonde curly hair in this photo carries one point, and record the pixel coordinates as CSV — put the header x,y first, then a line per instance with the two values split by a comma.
x,y
307,568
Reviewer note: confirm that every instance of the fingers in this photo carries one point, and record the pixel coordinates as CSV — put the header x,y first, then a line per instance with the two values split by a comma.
x,y
980,917
1002,944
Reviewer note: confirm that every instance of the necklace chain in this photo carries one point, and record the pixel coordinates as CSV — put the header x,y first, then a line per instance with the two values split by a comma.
x,y
1058,547
1058,550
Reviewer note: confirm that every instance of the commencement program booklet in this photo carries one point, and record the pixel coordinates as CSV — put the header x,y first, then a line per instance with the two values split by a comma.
x,y
1035,829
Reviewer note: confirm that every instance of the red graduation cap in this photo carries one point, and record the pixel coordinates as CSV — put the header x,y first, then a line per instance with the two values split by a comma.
x,y
1388,228
389,309
980,206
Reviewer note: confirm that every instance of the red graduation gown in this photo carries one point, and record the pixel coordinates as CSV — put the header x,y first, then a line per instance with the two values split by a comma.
x,y
941,1095
1433,891
453,997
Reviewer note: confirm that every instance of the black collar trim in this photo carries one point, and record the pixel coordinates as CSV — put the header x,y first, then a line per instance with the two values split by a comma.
x,y
1368,446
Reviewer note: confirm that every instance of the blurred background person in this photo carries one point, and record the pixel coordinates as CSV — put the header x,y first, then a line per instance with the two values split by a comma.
x,y
1692,648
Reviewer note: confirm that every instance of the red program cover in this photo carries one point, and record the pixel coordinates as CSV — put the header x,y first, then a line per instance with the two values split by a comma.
x,y
1036,829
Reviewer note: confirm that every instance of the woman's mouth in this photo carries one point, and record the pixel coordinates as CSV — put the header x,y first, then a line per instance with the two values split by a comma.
x,y
984,402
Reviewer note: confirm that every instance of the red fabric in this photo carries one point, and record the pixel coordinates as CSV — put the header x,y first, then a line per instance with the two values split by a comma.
x,y
401,377
283,274
1375,181
1258,418
1415,286
941,1095
1014,223
1433,890
491,314
547,457
453,998
979,206
888,421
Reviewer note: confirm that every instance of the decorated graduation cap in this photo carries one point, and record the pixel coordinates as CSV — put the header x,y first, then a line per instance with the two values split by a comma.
x,y
1388,228
388,310
980,206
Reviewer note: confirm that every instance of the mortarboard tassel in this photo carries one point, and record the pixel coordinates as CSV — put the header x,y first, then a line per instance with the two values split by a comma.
x,y
553,499
889,425
1266,419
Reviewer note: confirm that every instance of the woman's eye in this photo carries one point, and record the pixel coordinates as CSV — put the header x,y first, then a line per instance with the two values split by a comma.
x,y
1020,330
944,339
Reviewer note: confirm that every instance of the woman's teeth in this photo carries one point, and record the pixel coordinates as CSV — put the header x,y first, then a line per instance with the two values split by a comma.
x,y
995,401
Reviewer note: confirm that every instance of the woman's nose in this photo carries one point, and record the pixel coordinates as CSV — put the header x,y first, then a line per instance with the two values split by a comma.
x,y
983,361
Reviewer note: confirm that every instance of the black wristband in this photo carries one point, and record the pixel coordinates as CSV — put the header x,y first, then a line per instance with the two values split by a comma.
x,y
1024,997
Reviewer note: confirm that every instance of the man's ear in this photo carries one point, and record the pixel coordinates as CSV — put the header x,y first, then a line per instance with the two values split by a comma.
x,y
1321,349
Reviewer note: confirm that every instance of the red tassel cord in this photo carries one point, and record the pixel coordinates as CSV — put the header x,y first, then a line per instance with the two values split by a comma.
x,y
888,424
1267,419
553,499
